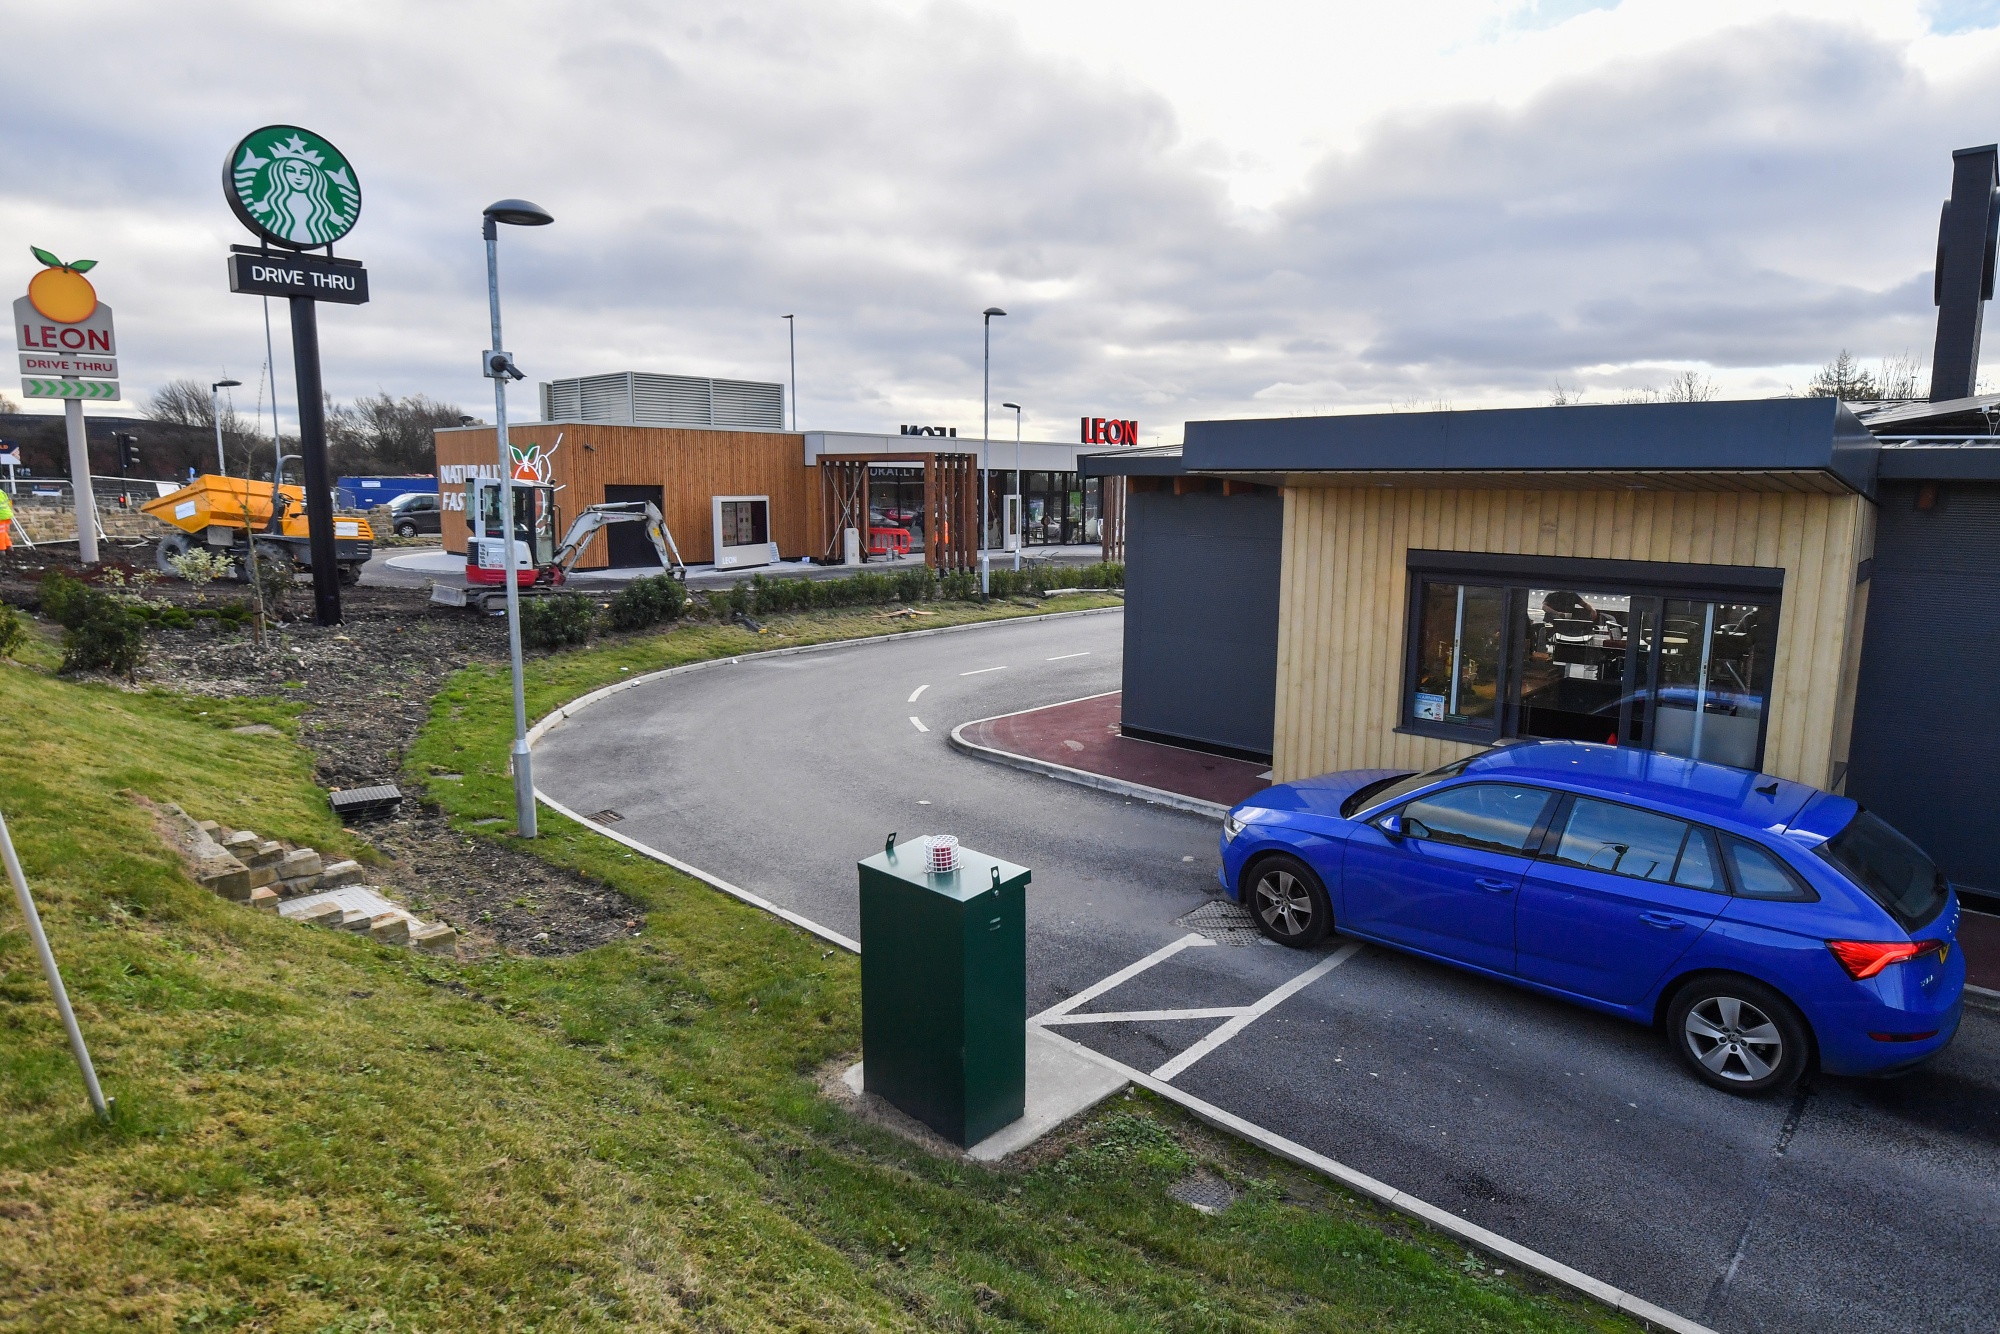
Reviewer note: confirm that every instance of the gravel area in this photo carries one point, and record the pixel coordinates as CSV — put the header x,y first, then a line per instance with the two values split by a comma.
x,y
367,685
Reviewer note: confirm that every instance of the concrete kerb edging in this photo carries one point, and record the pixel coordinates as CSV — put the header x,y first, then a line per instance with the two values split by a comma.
x,y
1402,1201
1050,769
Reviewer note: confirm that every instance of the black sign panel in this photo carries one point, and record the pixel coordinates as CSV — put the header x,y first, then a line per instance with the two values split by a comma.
x,y
259,274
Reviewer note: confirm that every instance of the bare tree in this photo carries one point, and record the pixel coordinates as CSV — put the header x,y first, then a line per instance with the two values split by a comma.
x,y
189,403
8,405
1690,387
1903,376
388,435
1644,394
1560,397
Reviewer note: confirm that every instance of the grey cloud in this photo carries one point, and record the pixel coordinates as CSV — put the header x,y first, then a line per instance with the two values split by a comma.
x,y
1758,199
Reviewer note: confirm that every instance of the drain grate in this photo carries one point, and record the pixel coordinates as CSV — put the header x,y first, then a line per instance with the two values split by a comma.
x,y
1204,1191
606,817
1222,922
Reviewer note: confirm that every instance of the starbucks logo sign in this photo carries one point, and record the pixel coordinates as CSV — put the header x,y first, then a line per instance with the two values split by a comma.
x,y
291,187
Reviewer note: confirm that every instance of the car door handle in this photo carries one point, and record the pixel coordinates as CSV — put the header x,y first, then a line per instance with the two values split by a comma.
x,y
1662,921
1492,886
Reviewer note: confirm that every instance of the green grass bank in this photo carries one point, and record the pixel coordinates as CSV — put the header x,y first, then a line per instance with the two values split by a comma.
x,y
319,1134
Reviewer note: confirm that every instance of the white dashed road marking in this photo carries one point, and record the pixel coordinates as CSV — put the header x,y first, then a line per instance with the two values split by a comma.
x,y
918,723
918,691
1060,656
981,671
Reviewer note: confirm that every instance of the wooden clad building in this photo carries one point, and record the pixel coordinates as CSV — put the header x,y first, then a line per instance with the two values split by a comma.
x,y
1685,577
679,468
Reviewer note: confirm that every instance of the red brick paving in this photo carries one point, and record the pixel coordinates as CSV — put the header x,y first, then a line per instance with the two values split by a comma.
x,y
1083,734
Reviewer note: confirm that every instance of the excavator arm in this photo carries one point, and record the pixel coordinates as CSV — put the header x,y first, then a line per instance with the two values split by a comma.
x,y
577,540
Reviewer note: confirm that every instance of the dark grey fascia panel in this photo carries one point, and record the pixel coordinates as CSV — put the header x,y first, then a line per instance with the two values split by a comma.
x,y
1758,434
1940,463
1152,461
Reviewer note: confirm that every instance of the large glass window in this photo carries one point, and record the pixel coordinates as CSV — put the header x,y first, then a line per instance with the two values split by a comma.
x,y
1458,655
1676,672
1623,840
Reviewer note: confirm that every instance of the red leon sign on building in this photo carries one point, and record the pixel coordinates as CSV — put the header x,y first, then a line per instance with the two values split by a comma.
x,y
1109,431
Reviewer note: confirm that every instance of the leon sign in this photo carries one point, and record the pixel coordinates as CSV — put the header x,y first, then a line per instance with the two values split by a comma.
x,y
1109,431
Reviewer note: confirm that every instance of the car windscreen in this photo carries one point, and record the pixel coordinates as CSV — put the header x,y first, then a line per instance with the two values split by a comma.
x,y
1385,790
1894,871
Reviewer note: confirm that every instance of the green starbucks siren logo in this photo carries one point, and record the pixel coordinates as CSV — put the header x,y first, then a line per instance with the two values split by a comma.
x,y
292,187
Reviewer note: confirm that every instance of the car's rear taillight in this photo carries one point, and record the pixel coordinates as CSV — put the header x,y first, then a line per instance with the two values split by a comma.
x,y
1864,958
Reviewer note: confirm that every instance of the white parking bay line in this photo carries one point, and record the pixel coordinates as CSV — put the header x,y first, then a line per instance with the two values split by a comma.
x,y
1191,940
981,671
918,691
1250,1015
918,723
1145,1016
1060,656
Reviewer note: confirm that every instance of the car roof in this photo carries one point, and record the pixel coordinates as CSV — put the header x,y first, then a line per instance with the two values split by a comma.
x,y
1716,793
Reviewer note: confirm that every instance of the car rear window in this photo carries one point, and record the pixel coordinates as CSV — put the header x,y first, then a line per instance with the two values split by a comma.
x,y
1892,870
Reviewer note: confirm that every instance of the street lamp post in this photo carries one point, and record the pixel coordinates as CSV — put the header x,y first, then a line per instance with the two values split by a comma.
x,y
985,433
215,415
499,367
792,337
1019,533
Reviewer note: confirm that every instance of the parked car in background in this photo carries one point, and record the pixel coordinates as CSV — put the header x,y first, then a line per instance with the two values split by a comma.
x,y
415,512
1766,927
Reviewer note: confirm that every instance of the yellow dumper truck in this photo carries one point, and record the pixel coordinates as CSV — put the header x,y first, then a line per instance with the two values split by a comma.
x,y
218,514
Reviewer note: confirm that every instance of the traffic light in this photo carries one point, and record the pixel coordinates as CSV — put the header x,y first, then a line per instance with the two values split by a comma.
x,y
128,451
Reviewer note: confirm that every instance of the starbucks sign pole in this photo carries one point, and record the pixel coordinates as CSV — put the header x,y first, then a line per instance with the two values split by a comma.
x,y
294,190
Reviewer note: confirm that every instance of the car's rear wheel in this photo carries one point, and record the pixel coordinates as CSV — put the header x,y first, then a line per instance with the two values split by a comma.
x,y
1288,901
1739,1036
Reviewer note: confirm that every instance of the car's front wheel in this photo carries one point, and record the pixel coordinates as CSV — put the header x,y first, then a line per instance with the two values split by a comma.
x,y
1738,1035
406,529
1289,902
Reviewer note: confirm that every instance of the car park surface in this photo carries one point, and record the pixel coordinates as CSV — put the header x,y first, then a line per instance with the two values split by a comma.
x,y
1849,1204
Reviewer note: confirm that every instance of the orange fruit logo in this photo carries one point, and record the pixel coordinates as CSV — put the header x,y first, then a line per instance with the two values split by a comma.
x,y
60,291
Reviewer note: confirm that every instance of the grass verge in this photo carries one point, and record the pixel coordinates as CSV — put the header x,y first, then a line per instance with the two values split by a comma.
x,y
320,1134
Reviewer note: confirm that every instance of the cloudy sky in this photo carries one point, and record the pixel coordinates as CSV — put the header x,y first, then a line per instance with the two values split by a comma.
x,y
1188,210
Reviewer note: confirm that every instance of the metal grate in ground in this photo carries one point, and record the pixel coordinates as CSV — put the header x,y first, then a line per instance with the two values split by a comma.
x,y
1222,922
606,816
1204,1191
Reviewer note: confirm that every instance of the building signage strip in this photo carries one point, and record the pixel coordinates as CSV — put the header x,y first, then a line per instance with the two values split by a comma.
x,y
81,389
342,281
1109,431
43,363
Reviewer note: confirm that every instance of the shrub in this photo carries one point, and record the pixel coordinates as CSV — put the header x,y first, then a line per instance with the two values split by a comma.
x,y
13,633
201,567
561,620
959,586
108,636
63,598
646,602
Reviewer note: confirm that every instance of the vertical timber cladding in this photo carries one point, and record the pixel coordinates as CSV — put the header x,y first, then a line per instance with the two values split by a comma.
x,y
690,465
1343,597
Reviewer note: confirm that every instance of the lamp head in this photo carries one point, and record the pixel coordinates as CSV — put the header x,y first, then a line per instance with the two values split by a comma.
x,y
227,384
991,311
1015,406
519,213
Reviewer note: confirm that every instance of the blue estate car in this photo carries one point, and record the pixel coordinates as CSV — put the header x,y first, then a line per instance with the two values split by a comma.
x,y
1767,926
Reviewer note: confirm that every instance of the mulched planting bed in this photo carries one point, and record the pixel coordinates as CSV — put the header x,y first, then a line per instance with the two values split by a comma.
x,y
367,685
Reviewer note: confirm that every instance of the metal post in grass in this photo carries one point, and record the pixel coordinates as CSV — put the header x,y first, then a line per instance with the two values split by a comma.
x,y
50,971
499,367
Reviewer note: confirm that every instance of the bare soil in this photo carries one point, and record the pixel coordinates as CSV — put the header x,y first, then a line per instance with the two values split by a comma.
x,y
367,685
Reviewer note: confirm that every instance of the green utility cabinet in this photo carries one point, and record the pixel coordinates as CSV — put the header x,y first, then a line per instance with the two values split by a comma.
x,y
944,989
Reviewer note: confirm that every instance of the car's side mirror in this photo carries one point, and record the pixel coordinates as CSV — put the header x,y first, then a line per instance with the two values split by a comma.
x,y
1392,825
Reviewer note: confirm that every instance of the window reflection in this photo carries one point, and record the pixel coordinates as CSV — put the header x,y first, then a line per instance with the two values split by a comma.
x,y
1458,657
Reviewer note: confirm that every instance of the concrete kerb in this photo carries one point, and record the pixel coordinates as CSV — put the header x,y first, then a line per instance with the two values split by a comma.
x,y
1050,769
1469,1233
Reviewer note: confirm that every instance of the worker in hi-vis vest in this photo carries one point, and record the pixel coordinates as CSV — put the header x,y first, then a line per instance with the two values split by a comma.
x,y
6,521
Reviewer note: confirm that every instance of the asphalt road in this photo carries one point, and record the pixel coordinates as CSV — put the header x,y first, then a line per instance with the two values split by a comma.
x,y
1855,1205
